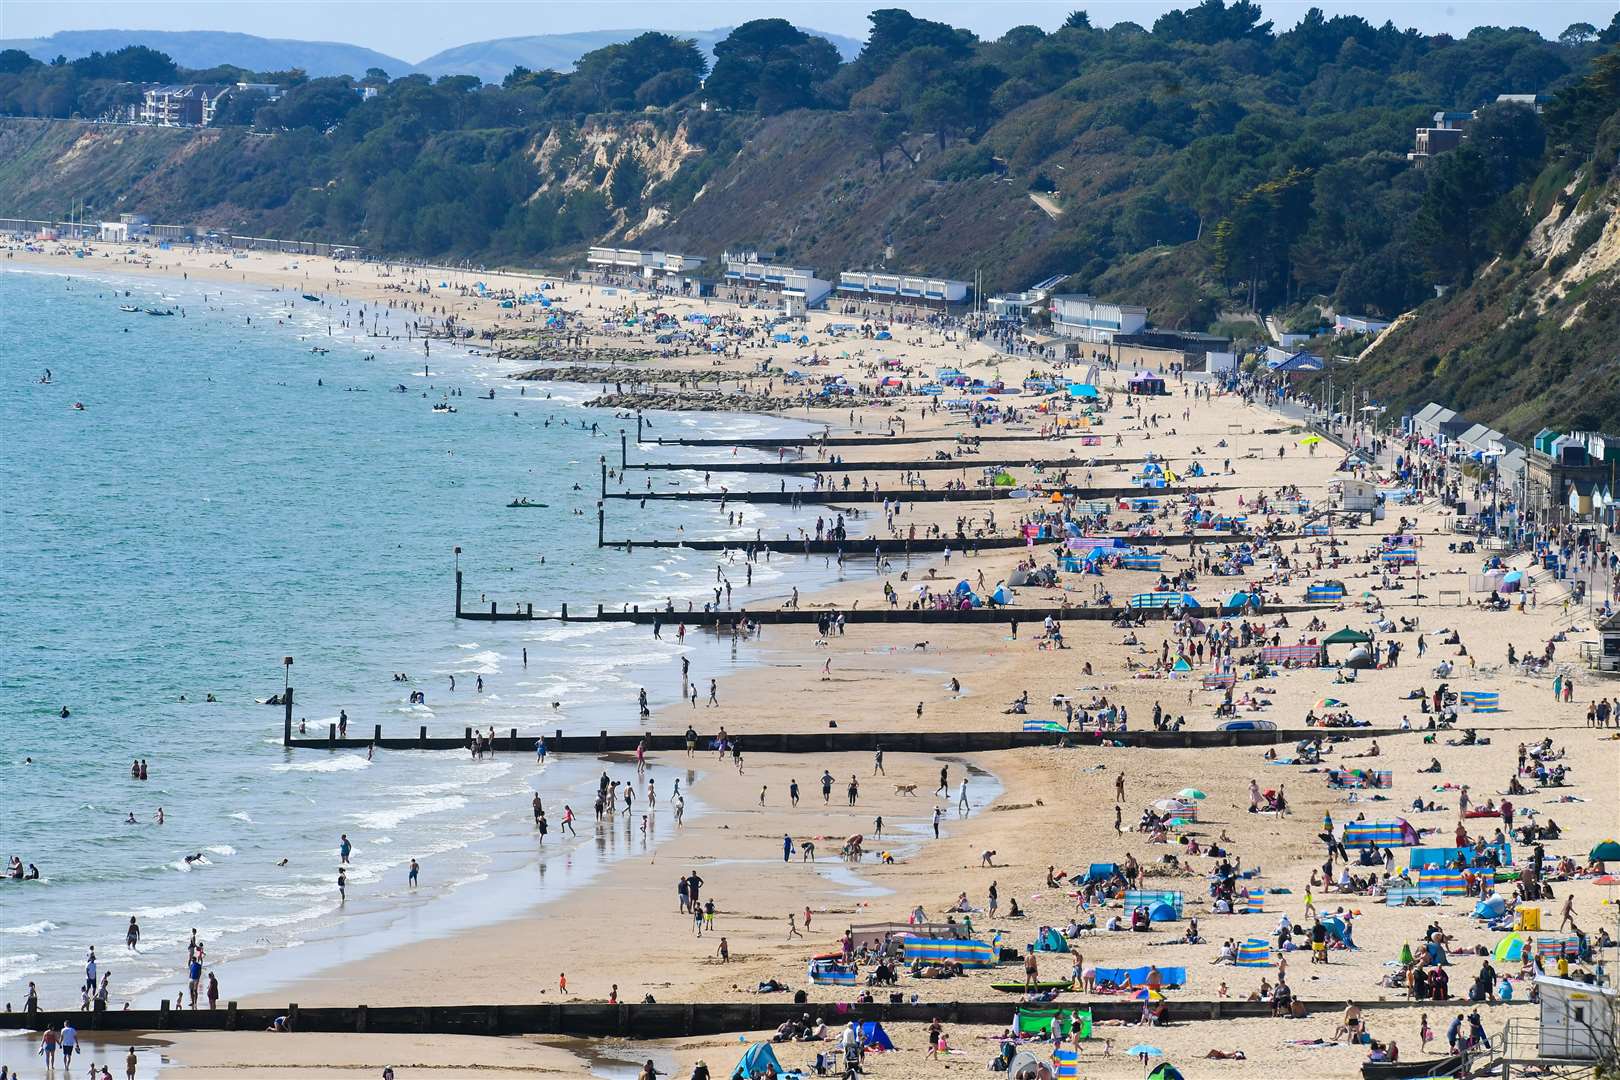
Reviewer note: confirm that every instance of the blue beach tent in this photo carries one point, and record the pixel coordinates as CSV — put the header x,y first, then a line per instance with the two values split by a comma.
x,y
755,1060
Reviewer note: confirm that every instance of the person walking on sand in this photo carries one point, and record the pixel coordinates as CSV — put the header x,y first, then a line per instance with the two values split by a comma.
x,y
1119,788
714,694
962,798
562,982
938,813
944,780
793,927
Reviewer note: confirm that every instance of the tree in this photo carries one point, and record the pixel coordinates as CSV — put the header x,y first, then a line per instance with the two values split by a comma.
x,y
625,184
771,66
1213,21
611,77
1580,33
1077,20
13,61
1511,139
1451,220
375,76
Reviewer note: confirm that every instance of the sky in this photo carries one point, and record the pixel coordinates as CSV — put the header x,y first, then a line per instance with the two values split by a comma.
x,y
415,29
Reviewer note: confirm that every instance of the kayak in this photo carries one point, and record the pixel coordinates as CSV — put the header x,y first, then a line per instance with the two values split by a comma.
x,y
312,299
1046,984
525,504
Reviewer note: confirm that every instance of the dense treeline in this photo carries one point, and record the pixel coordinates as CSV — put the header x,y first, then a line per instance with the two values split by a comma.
x,y
1278,159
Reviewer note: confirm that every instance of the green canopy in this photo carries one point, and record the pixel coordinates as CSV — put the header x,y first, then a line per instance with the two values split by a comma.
x,y
1607,851
1347,636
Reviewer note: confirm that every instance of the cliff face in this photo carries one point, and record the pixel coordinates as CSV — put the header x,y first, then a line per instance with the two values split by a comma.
x,y
1534,340
45,165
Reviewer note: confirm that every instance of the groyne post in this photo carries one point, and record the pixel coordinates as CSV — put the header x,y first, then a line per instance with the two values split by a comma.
x,y
603,461
601,524
286,700
624,449
638,428
458,580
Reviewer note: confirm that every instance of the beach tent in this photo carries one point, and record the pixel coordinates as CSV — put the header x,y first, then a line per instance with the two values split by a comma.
x,y
1165,1071
1492,907
1050,939
1255,952
1100,871
755,1060
1082,390
964,951
1510,950
1145,382
1152,898
1396,833
875,1038
1239,599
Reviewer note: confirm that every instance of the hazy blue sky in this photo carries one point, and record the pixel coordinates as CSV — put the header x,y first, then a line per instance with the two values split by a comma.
x,y
414,29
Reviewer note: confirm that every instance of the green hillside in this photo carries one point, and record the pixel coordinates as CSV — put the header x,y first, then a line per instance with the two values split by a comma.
x,y
1210,163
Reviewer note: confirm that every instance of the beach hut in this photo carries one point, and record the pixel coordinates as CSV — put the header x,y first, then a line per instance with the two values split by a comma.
x,y
1394,833
1254,952
964,951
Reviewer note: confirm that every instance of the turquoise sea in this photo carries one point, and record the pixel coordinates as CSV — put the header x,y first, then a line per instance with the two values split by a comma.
x,y
227,497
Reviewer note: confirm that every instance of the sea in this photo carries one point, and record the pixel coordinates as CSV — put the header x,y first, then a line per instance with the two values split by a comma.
x,y
253,478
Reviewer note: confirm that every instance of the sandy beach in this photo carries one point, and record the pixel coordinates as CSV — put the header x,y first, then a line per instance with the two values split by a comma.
x,y
1029,812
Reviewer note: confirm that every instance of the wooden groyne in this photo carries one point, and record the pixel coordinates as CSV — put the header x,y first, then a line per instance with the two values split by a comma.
x,y
830,741
637,1021
854,440
911,495
806,465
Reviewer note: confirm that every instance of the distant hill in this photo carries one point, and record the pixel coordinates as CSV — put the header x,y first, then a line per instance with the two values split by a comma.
x,y
491,60
207,48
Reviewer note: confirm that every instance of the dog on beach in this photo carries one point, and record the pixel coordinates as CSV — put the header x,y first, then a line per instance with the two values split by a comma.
x,y
919,646
906,789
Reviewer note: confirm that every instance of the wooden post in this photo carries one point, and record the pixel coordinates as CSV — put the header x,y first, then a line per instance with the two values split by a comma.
x,y
601,525
624,450
360,1019
421,735
376,733
163,1013
602,739
286,717
565,613
292,1015
458,593
230,1016
331,734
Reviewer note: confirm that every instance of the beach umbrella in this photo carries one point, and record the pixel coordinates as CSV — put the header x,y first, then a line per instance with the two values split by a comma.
x,y
1190,793
1144,1051
1310,440
1607,851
